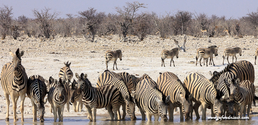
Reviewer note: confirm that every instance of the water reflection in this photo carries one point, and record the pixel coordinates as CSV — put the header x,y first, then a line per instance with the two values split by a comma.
x,y
104,121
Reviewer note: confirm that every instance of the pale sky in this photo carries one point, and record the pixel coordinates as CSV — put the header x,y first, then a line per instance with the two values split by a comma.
x,y
229,8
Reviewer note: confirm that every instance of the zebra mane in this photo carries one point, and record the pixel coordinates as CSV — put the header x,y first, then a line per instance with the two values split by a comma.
x,y
227,68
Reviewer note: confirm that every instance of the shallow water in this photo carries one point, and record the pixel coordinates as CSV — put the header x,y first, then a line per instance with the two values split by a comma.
x,y
105,121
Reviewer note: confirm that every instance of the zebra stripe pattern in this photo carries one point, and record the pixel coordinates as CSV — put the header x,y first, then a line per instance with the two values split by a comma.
x,y
113,55
206,53
105,96
65,72
243,93
57,97
203,93
231,52
14,83
108,77
169,84
169,54
150,100
37,91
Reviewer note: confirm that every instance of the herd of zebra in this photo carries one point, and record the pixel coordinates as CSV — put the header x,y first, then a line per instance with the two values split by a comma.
x,y
227,92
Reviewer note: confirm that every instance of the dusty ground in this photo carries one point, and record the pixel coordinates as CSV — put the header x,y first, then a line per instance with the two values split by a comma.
x,y
46,57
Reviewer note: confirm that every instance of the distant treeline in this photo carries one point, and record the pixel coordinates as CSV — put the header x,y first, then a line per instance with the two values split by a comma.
x,y
127,21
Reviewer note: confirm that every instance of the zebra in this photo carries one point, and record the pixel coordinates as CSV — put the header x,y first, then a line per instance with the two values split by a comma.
x,y
57,97
14,83
113,55
77,100
65,72
169,54
244,70
108,77
203,93
169,84
255,57
93,98
206,53
231,52
243,94
36,91
150,100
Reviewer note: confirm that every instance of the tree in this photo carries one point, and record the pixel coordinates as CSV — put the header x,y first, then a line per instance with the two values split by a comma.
x,y
44,18
142,25
5,20
127,15
252,18
182,20
91,19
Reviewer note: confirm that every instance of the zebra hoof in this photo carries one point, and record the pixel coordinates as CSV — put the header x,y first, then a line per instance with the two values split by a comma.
x,y
7,119
41,120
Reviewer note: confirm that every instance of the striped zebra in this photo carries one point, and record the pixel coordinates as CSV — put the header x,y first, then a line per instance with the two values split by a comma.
x,y
57,97
255,56
169,84
203,93
244,70
36,91
77,100
113,55
231,52
169,54
243,94
14,83
65,72
206,53
150,100
94,98
108,77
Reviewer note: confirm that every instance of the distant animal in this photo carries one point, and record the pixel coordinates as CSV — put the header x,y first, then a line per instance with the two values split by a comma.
x,y
169,54
170,85
36,91
113,55
66,74
57,97
203,93
14,83
150,100
231,52
255,57
206,53
94,98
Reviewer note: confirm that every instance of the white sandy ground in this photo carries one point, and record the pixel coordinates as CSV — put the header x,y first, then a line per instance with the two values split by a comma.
x,y
46,57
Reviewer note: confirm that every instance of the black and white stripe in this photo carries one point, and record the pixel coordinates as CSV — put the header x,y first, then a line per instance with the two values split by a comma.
x,y
169,54
113,55
65,72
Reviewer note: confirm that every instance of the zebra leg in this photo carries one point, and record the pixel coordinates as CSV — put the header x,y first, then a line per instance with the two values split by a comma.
x,y
118,115
156,117
8,105
206,62
143,114
195,107
242,107
22,106
61,114
75,106
232,59
94,112
34,111
68,107
89,113
124,111
248,109
81,106
110,112
181,114
255,57
200,61
236,58
55,112
171,112
223,57
203,111
148,116
162,62
14,100
227,59
212,112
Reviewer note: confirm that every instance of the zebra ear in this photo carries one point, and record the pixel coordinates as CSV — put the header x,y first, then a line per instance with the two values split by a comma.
x,y
237,81
133,93
11,53
77,76
22,53
167,99
51,80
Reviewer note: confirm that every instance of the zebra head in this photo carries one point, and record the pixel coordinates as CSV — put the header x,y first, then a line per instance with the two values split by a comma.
x,y
76,90
218,107
119,53
186,105
214,76
162,103
234,87
130,106
17,62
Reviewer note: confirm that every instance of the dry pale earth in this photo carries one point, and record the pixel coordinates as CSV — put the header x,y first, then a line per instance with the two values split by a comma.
x,y
46,57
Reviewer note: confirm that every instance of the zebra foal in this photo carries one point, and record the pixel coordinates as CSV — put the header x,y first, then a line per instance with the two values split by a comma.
x,y
113,55
94,98
203,93
169,54
14,83
231,52
170,85
36,91
150,100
